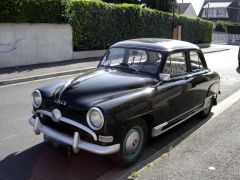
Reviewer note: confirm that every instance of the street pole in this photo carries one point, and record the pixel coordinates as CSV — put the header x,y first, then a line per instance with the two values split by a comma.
x,y
207,10
238,15
173,21
182,6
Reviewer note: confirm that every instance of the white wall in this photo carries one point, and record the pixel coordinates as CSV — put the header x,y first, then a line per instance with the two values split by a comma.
x,y
24,44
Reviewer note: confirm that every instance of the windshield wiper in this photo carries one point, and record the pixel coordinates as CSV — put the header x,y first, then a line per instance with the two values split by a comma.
x,y
129,66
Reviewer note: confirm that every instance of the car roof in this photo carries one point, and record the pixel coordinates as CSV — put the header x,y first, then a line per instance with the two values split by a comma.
x,y
156,44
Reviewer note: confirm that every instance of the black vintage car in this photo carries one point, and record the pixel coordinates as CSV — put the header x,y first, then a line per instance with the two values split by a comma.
x,y
141,89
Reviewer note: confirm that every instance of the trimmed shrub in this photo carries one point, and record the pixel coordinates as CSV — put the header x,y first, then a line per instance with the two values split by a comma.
x,y
221,26
196,30
97,25
233,29
32,11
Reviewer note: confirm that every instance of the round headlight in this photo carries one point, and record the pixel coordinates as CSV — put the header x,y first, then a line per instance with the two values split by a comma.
x,y
37,99
95,118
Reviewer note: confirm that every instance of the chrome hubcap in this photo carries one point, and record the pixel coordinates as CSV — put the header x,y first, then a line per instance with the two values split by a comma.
x,y
132,141
207,103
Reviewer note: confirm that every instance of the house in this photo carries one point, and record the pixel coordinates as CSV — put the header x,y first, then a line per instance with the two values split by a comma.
x,y
224,10
186,9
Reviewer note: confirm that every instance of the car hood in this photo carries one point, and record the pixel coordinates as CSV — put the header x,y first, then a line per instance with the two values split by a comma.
x,y
94,87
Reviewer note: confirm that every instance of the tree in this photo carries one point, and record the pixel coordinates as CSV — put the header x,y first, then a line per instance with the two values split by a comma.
x,y
162,5
123,1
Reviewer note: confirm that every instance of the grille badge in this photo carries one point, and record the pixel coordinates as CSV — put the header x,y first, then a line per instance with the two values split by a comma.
x,y
56,115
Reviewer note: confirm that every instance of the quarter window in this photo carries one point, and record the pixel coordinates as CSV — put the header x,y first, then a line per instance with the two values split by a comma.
x,y
195,60
176,64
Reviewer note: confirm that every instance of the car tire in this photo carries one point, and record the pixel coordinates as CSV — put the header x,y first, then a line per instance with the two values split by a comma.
x,y
207,110
132,143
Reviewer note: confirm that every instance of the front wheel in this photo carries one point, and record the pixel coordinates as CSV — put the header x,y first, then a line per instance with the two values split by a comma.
x,y
132,143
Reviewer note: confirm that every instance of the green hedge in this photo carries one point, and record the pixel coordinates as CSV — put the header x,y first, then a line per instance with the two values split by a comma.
x,y
221,26
196,30
97,25
233,29
33,11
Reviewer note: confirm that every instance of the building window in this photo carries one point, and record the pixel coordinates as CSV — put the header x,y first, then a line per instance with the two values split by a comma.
x,y
221,12
208,12
205,13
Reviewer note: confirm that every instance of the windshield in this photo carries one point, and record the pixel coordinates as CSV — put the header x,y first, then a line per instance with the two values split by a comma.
x,y
138,60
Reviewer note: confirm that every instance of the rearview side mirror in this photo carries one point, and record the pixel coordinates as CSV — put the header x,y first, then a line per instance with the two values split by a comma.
x,y
164,77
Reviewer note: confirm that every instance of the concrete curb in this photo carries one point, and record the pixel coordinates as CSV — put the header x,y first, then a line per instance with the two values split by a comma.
x,y
43,76
220,50
62,73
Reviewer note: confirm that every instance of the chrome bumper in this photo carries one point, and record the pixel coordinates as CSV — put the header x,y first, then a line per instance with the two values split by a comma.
x,y
74,141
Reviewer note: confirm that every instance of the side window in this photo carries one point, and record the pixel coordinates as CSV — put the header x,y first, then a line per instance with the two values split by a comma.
x,y
195,60
176,64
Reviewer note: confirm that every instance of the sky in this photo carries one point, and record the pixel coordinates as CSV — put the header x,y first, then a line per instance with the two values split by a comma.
x,y
197,4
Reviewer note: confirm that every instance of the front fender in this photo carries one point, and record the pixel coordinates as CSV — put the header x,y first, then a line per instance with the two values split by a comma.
x,y
121,109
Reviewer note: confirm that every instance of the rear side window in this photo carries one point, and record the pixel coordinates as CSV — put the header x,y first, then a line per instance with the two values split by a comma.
x,y
176,64
196,62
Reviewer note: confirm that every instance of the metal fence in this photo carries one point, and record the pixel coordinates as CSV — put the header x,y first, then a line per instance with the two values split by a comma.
x,y
225,38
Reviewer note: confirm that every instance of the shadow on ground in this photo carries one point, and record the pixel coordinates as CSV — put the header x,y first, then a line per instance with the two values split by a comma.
x,y
42,162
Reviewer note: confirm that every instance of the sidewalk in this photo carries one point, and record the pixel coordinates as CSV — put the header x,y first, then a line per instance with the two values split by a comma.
x,y
211,152
42,71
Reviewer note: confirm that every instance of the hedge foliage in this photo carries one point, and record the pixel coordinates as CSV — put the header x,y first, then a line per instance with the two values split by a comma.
x,y
97,25
221,26
33,11
233,29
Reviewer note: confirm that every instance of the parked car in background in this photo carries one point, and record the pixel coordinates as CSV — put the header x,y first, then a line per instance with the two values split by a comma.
x,y
140,89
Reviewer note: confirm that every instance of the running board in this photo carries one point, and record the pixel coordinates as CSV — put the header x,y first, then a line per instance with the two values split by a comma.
x,y
157,130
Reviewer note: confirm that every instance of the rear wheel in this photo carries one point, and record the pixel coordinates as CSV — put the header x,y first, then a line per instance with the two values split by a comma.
x,y
207,107
132,144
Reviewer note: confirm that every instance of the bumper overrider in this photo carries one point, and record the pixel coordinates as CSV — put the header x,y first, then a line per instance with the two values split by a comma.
x,y
74,141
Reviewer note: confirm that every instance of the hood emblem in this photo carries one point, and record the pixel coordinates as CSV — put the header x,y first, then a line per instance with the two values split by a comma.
x,y
56,115
60,102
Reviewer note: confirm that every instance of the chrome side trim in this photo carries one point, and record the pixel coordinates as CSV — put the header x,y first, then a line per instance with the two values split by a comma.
x,y
186,112
157,132
75,141
158,128
71,122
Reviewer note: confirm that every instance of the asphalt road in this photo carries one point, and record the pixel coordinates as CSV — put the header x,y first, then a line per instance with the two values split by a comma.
x,y
23,155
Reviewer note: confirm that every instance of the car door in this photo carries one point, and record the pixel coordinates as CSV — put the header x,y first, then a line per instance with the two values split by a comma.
x,y
179,88
199,77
